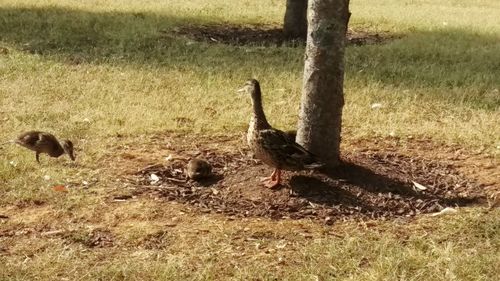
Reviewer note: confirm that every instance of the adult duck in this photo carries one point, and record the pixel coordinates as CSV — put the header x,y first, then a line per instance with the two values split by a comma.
x,y
272,146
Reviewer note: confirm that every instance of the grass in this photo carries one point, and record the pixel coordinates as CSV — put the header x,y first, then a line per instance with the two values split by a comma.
x,y
439,81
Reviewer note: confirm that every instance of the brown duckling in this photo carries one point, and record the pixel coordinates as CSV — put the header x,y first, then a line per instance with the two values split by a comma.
x,y
198,169
42,142
274,147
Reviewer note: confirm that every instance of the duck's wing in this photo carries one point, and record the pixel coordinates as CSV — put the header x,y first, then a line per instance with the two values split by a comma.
x,y
35,139
29,139
286,150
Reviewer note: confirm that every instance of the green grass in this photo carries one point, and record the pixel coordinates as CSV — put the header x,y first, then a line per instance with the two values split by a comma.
x,y
439,81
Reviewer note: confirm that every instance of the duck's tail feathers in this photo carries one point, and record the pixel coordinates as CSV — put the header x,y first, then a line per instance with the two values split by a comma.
x,y
7,142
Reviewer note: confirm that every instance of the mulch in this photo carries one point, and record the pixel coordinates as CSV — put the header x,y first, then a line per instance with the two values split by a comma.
x,y
263,35
371,184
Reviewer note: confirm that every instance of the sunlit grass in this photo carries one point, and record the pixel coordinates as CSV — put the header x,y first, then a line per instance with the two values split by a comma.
x,y
95,71
209,248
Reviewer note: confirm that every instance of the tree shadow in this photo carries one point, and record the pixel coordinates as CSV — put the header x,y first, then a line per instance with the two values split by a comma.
x,y
322,191
367,191
444,58
209,181
75,36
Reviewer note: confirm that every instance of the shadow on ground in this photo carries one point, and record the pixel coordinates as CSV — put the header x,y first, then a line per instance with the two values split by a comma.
x,y
442,58
369,185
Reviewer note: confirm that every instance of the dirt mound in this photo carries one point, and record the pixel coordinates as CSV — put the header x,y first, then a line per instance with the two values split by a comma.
x,y
370,184
264,35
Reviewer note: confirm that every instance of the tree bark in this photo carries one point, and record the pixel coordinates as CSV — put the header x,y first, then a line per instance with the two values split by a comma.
x,y
322,101
295,23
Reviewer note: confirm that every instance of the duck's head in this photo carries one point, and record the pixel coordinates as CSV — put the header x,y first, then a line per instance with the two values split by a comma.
x,y
68,149
252,86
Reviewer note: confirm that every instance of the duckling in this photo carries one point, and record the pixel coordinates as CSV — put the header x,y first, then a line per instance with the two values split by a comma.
x,y
198,169
274,147
42,142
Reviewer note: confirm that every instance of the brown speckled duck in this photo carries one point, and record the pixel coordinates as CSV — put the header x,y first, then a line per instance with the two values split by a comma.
x,y
42,142
274,147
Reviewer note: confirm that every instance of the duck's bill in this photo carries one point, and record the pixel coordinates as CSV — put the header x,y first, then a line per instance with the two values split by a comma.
x,y
241,91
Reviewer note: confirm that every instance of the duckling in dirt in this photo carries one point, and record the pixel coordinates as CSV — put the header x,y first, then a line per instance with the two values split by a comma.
x,y
42,142
274,147
198,169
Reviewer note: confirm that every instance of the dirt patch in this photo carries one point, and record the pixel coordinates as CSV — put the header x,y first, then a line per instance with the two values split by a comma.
x,y
157,240
262,35
371,184
97,238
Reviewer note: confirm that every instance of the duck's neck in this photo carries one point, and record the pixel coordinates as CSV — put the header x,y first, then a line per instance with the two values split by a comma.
x,y
258,117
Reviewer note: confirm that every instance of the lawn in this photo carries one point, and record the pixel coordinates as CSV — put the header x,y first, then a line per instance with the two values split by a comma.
x,y
114,77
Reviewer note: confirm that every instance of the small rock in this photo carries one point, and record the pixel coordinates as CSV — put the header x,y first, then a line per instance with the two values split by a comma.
x,y
154,178
328,221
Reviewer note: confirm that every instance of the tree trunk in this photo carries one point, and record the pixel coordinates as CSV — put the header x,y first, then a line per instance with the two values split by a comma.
x,y
295,23
320,115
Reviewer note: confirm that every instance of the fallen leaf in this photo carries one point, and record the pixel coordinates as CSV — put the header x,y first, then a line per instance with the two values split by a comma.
x,y
52,232
419,186
60,188
281,245
445,211
376,106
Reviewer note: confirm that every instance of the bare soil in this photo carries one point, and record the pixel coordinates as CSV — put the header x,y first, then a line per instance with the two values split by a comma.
x,y
376,182
262,35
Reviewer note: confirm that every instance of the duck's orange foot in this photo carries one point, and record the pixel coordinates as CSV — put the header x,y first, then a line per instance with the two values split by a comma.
x,y
273,181
271,184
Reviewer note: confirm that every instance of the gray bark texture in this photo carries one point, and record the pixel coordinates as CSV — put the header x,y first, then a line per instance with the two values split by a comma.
x,y
322,101
295,23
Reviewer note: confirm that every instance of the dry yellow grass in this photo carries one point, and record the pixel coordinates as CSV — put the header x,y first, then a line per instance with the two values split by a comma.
x,y
104,74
